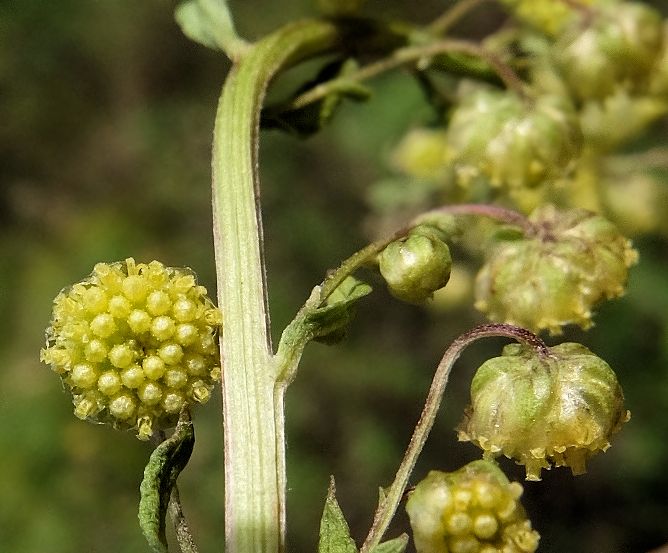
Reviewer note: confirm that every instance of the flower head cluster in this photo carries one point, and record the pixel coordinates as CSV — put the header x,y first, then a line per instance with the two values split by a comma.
x,y
619,47
134,343
557,408
472,510
573,260
550,16
513,142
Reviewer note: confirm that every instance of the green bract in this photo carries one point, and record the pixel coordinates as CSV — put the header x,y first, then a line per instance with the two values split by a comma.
x,y
472,510
134,343
416,266
618,47
573,260
511,141
540,409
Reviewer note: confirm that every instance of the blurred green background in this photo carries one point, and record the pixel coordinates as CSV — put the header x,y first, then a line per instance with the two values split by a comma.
x,y
106,114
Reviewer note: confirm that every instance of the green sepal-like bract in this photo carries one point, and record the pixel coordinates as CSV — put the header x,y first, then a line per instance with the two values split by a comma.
x,y
329,322
166,463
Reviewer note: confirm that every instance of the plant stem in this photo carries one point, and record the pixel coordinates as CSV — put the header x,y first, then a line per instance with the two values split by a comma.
x,y
443,23
252,409
498,213
410,54
183,534
388,505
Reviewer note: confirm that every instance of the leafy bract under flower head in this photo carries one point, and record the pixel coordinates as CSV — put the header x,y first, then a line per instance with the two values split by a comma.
x,y
134,344
472,510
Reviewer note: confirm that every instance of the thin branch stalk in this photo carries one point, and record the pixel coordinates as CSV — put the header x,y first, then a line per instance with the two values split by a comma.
x,y
411,54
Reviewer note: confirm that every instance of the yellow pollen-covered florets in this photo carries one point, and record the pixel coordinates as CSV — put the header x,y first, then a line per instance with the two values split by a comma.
x,y
135,343
472,510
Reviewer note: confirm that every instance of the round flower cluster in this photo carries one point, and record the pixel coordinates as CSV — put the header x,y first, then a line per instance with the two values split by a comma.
x,y
550,16
135,343
573,260
513,142
472,510
557,408
618,47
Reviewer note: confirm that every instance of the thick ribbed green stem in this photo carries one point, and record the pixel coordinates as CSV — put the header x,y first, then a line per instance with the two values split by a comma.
x,y
252,407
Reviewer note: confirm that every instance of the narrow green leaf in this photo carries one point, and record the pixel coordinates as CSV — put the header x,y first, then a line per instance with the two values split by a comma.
x,y
164,466
329,321
209,22
397,545
334,531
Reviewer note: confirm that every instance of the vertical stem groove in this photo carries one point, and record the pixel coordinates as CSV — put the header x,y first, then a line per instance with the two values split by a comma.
x,y
252,410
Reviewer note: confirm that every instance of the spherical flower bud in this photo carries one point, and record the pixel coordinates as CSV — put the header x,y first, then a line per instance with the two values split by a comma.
x,y
557,407
619,46
416,266
134,343
555,276
491,520
511,141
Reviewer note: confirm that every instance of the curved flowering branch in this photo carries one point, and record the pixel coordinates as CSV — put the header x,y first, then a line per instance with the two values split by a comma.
x,y
389,503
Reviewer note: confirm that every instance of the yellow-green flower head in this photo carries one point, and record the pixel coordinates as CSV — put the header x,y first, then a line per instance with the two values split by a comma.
x,y
559,407
416,266
550,16
422,153
619,46
511,141
135,343
472,510
618,118
659,77
556,275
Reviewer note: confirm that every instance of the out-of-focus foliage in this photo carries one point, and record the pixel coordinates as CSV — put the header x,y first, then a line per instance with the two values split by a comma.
x,y
107,112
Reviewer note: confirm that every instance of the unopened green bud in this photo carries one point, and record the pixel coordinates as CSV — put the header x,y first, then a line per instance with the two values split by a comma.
x,y
114,341
472,510
618,47
573,260
512,142
416,266
541,409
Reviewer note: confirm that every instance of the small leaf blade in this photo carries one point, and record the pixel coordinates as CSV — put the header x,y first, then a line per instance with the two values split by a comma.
x,y
209,22
329,322
396,545
160,474
334,531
